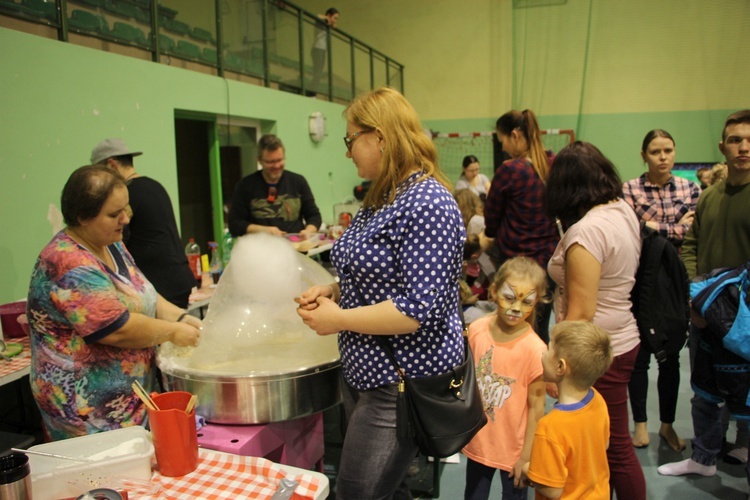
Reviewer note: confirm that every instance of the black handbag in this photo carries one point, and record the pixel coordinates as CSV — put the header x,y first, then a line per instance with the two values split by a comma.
x,y
442,412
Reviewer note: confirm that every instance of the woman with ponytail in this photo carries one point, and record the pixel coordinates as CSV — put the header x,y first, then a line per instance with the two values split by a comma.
x,y
514,213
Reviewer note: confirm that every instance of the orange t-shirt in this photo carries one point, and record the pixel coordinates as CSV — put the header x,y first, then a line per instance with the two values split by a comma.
x,y
570,449
504,372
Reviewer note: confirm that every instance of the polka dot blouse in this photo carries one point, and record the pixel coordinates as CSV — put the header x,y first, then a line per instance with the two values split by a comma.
x,y
410,252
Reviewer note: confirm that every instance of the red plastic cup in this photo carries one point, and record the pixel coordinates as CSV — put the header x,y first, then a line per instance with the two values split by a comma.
x,y
174,433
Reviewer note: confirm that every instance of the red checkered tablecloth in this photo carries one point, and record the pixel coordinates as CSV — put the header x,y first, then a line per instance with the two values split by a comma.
x,y
222,475
18,362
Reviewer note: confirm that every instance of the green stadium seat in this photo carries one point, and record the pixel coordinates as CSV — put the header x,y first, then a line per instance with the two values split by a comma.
x,y
42,8
175,26
93,3
129,33
209,56
120,8
233,61
188,50
166,44
85,20
202,35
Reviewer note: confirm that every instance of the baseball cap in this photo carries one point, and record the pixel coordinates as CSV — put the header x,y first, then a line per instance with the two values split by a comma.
x,y
109,148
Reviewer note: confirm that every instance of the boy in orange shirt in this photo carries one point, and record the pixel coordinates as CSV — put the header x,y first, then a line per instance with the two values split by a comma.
x,y
569,452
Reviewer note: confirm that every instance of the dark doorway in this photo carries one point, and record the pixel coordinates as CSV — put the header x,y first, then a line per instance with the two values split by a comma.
x,y
193,180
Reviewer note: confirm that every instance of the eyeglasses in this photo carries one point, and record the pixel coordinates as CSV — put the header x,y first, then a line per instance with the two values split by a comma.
x,y
349,139
272,192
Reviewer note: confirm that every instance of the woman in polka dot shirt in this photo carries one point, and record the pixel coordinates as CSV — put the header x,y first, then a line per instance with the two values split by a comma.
x,y
399,263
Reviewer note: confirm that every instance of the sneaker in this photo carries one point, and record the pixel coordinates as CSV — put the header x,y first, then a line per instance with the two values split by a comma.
x,y
737,456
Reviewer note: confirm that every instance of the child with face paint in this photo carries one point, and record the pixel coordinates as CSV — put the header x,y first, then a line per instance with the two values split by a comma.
x,y
509,371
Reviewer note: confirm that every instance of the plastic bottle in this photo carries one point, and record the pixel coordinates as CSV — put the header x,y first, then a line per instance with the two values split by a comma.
x,y
215,267
193,253
227,242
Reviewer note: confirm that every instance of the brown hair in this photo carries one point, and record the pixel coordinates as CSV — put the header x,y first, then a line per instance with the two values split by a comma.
x,y
582,179
738,117
86,191
586,348
525,122
406,145
469,204
653,134
719,172
270,143
522,267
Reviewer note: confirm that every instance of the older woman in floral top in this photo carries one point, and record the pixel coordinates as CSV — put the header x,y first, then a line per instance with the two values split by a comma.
x,y
92,315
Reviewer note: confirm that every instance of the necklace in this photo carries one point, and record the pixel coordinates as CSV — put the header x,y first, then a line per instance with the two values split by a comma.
x,y
131,176
103,254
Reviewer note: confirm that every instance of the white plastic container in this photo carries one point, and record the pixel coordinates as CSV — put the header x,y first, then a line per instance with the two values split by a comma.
x,y
116,456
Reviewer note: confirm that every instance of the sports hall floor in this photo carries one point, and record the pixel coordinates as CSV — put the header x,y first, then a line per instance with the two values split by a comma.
x,y
728,484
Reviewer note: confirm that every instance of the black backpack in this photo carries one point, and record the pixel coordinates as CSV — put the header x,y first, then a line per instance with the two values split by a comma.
x,y
661,295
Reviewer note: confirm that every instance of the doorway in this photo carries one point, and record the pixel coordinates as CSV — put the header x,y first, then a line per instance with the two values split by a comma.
x,y
212,156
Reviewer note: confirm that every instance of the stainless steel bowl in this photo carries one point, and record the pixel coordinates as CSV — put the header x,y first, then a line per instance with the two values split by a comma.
x,y
257,362
259,399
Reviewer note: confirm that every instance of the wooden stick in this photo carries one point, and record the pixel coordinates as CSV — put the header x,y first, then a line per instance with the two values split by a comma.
x,y
191,404
52,455
143,395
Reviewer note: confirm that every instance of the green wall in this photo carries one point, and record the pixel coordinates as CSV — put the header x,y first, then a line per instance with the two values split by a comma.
x,y
611,70
57,100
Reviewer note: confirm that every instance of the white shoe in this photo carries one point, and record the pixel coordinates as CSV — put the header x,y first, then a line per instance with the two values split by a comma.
x,y
688,466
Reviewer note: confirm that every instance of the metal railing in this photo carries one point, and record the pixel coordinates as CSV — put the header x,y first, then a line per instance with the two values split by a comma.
x,y
270,41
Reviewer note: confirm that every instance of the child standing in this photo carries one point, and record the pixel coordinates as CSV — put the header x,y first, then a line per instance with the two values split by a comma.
x,y
509,374
569,454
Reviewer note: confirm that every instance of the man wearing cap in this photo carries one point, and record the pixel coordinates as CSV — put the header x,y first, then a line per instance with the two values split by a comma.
x,y
151,237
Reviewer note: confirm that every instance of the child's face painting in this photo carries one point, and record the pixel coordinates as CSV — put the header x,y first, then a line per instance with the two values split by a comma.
x,y
516,299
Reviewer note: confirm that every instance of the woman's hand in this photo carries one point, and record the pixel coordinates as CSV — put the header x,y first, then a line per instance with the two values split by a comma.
x,y
322,316
308,299
191,320
185,335
687,218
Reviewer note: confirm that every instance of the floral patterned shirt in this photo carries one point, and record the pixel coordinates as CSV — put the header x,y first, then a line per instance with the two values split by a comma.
x,y
75,300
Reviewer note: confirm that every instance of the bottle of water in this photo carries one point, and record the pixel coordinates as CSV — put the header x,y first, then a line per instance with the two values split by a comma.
x,y
215,267
193,253
227,242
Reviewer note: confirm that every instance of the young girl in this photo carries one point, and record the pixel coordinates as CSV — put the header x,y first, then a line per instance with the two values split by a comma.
x,y
509,369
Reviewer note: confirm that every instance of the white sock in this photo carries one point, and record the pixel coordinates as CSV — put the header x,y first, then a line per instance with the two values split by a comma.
x,y
688,466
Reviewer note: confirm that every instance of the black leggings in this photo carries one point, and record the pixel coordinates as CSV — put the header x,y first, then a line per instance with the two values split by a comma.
x,y
668,385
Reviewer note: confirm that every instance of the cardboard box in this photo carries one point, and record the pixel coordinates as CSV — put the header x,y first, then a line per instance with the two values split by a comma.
x,y
115,456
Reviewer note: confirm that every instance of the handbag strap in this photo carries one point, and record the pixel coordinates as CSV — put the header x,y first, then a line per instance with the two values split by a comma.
x,y
387,347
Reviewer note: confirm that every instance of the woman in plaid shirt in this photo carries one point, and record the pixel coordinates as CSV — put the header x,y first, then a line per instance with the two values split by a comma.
x,y
666,203
515,222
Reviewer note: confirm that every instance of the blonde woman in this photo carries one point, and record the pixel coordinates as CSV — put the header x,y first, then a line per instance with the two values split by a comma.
x,y
399,264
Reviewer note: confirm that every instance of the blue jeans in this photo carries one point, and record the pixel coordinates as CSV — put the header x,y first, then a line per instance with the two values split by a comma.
x,y
373,462
479,481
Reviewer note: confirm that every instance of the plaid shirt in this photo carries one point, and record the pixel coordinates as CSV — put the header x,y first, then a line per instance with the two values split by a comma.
x,y
514,213
663,204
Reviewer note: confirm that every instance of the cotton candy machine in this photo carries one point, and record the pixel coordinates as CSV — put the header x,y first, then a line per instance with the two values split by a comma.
x,y
257,362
